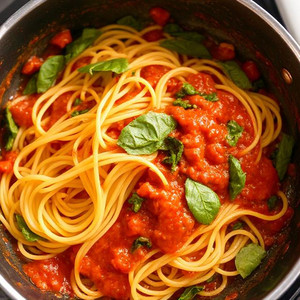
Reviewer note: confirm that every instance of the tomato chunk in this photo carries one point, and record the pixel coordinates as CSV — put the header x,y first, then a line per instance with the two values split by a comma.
x,y
62,39
159,15
6,166
154,35
224,51
32,65
251,70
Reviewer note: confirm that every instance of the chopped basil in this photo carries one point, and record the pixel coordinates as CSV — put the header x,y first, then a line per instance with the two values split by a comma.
x,y
185,47
238,225
48,72
27,233
190,292
237,178
284,154
11,130
117,65
272,201
249,258
79,112
88,37
30,87
211,279
184,103
175,148
136,202
77,102
139,242
236,74
145,134
131,22
234,132
203,202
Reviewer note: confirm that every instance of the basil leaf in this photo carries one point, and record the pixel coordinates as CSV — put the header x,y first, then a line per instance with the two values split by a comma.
x,y
77,102
139,242
184,103
30,87
48,72
27,233
237,226
213,97
11,130
211,279
79,112
272,201
190,292
234,132
203,202
185,47
172,28
237,178
175,148
145,134
136,202
236,74
131,22
249,258
117,65
284,154
88,37
176,31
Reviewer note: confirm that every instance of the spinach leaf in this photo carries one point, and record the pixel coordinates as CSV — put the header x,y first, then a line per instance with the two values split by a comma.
x,y
284,154
236,74
185,47
237,178
76,113
184,103
136,202
11,130
203,202
139,242
117,65
88,37
175,148
176,31
131,22
237,225
27,233
234,132
30,87
249,258
272,201
48,72
190,292
145,134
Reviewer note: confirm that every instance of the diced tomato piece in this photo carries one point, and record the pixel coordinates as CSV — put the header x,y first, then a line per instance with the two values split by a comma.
x,y
11,156
154,35
159,15
6,166
32,65
62,39
251,70
224,51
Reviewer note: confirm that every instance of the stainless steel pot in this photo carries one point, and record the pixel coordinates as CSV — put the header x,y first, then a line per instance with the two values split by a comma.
x,y
256,35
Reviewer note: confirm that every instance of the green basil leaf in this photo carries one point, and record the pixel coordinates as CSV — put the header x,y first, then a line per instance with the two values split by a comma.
x,y
272,201
88,37
48,72
30,87
172,28
136,202
189,36
237,178
11,130
238,225
213,97
79,112
117,65
249,258
145,134
185,47
77,102
27,233
190,292
203,202
184,103
236,74
139,242
284,154
234,132
175,148
211,279
131,22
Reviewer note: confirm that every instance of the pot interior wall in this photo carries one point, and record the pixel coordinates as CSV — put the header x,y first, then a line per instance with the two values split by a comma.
x,y
227,20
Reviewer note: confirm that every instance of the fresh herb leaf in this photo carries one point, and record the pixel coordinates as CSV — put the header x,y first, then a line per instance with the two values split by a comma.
x,y
172,28
203,202
236,74
145,134
27,233
48,72
131,22
272,201
190,292
185,47
79,112
284,154
30,87
139,242
117,65
258,84
77,102
175,148
234,132
237,178
11,130
88,37
136,202
249,258
184,103
176,31
237,226
211,279
213,97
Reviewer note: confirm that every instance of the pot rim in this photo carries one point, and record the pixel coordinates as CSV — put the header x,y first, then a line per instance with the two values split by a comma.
x,y
294,273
